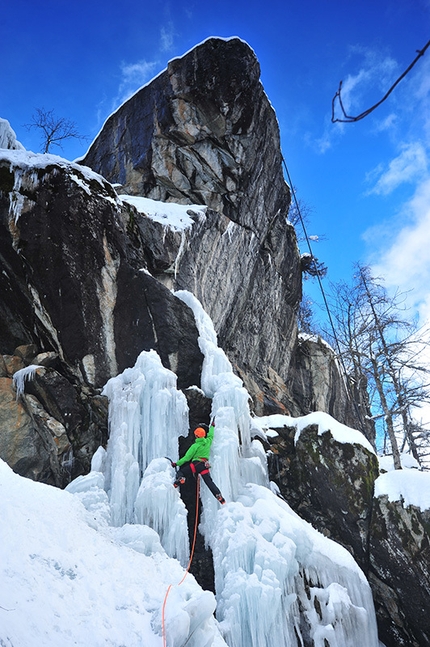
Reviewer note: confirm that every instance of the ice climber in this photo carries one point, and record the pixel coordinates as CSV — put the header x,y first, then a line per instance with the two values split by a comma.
x,y
196,460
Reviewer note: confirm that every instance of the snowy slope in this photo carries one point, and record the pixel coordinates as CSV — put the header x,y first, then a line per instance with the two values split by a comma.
x,y
62,582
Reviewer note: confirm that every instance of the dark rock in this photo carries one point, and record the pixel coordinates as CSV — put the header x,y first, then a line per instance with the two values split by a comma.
x,y
400,573
31,442
199,407
26,352
50,359
330,484
203,132
84,303
75,411
66,253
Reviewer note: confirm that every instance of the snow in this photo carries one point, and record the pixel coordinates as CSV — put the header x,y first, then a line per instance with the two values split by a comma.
x,y
316,339
409,486
176,216
65,583
341,433
264,554
23,161
8,138
386,462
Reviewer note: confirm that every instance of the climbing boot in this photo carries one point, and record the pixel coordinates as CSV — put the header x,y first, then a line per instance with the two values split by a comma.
x,y
179,482
220,498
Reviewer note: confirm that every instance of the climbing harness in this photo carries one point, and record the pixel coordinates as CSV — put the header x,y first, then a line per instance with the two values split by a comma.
x,y
194,470
196,522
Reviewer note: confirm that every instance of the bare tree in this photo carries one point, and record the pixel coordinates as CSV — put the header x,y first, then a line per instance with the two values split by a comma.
x,y
380,347
54,130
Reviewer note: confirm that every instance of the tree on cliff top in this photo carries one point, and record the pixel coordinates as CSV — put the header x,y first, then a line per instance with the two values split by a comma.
x,y
54,130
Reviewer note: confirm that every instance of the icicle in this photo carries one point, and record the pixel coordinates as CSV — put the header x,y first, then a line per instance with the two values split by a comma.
x,y
159,506
265,556
22,376
146,416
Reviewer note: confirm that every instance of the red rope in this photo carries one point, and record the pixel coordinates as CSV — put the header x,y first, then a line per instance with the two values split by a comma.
x,y
187,570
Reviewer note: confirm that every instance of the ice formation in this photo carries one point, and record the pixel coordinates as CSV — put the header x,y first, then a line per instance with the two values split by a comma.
x,y
22,376
278,581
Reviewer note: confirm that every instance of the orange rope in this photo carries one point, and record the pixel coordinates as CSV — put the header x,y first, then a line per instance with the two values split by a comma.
x,y
187,570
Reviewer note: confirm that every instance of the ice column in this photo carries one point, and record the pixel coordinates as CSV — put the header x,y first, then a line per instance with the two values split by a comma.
x,y
147,414
235,459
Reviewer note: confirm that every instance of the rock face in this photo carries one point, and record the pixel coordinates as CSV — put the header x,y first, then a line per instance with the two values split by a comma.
x,y
331,485
71,287
86,282
50,428
400,572
317,384
65,252
94,275
203,132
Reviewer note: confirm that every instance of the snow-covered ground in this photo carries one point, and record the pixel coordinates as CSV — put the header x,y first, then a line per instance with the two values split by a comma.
x,y
68,579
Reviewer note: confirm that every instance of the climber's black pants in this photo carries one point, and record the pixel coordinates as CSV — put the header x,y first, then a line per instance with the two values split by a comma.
x,y
198,467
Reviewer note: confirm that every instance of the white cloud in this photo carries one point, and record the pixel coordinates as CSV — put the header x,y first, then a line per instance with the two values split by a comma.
x,y
406,263
386,124
405,267
410,165
167,35
376,71
134,75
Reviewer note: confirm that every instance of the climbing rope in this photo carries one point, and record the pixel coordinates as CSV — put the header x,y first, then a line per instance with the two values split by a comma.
x,y
187,570
335,337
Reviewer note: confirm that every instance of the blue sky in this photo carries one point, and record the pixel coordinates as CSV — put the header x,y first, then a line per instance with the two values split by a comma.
x,y
367,185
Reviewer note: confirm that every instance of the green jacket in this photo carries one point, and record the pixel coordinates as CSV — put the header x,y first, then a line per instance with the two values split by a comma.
x,y
200,448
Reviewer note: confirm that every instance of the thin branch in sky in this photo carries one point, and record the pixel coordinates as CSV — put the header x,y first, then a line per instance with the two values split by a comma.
x,y
347,119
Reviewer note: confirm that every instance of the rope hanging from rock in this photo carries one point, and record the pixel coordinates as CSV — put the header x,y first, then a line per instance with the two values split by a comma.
x,y
308,242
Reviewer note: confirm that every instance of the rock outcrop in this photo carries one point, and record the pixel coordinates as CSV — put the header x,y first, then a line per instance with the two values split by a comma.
x,y
331,485
203,132
317,383
70,283
71,287
399,547
87,282
94,274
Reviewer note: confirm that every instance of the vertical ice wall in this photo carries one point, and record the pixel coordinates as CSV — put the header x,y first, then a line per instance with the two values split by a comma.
x,y
147,414
279,582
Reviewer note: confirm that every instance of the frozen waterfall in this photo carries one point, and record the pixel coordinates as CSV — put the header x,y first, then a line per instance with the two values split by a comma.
x,y
279,582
